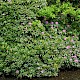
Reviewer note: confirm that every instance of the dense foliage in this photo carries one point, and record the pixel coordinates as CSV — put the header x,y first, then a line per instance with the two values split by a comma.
x,y
75,3
64,13
33,48
19,11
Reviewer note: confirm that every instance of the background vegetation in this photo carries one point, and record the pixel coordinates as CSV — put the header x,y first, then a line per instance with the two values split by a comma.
x,y
38,38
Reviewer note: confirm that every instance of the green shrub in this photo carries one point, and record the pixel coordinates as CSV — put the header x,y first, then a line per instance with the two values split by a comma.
x,y
32,51
29,48
64,13
19,12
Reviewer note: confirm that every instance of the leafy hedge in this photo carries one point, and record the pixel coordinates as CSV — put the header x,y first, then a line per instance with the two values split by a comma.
x,y
32,51
19,12
31,48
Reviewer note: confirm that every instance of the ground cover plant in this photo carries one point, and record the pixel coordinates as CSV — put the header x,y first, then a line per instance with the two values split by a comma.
x,y
34,47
